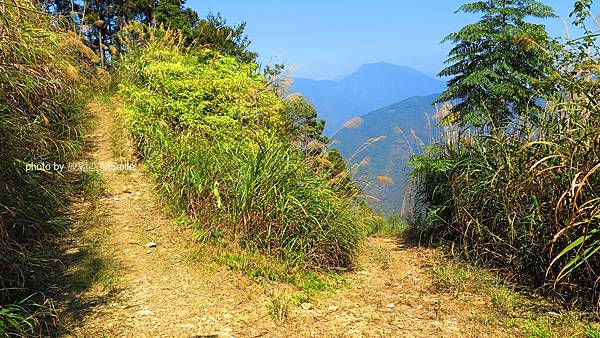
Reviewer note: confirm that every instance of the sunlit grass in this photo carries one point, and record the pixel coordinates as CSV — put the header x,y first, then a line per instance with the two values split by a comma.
x,y
235,173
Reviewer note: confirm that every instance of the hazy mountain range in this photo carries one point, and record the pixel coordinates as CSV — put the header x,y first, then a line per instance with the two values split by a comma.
x,y
372,86
376,141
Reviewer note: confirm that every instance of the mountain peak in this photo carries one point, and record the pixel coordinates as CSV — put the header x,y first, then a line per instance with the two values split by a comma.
x,y
377,64
386,68
372,86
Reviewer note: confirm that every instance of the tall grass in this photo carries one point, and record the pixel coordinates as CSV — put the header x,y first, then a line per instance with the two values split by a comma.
x,y
211,133
513,202
262,193
526,200
25,317
42,72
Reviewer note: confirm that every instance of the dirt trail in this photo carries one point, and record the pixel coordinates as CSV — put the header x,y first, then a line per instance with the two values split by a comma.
x,y
165,291
160,291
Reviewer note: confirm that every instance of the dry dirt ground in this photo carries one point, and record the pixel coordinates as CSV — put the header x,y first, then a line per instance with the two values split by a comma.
x,y
166,291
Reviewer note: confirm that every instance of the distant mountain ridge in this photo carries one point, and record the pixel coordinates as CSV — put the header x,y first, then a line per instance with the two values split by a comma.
x,y
379,144
372,86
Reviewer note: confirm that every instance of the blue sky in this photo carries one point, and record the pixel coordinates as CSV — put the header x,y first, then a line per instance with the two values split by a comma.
x,y
327,38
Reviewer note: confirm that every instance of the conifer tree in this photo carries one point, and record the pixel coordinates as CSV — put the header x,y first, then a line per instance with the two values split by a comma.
x,y
499,64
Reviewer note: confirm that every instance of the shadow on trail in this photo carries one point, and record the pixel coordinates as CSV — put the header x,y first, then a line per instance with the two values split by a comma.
x,y
84,274
81,286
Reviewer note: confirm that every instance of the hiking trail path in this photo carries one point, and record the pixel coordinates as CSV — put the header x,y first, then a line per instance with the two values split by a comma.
x,y
167,290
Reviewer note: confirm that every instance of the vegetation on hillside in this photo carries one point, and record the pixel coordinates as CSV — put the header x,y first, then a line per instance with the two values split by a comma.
x,y
218,141
525,199
44,74
380,144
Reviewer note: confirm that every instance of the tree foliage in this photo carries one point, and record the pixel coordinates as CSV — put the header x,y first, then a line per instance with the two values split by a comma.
x,y
174,14
499,65
101,20
301,121
214,33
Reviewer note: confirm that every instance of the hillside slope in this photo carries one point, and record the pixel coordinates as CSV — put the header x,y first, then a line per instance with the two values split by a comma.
x,y
398,131
371,86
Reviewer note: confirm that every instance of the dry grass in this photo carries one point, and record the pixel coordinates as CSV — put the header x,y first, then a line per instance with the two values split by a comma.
x,y
43,71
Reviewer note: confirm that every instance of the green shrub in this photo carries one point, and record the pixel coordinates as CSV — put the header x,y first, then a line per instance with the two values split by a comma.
x,y
211,132
390,226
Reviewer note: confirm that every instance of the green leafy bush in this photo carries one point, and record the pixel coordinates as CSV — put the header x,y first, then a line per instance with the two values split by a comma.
x,y
212,133
213,95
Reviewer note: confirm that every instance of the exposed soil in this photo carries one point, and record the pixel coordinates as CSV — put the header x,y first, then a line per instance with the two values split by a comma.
x,y
165,291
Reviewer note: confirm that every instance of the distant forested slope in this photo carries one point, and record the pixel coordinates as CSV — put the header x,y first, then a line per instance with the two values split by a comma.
x,y
380,143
